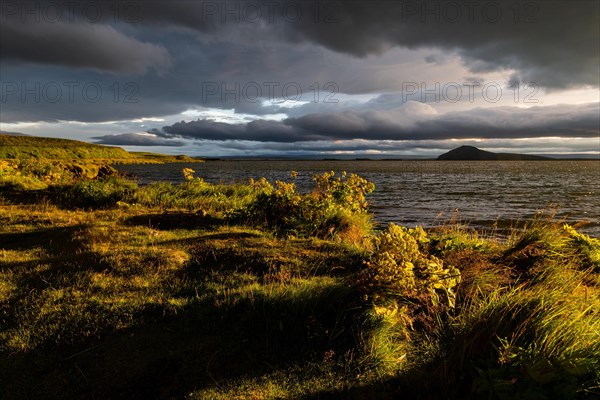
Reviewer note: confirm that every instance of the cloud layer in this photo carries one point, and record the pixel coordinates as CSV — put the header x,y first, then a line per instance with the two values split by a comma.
x,y
524,36
137,139
154,59
527,37
413,121
80,45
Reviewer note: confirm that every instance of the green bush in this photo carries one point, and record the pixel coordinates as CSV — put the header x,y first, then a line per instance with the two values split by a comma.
x,y
33,174
586,248
336,207
399,269
98,193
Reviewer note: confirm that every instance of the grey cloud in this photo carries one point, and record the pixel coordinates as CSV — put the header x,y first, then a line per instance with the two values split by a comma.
x,y
509,122
386,148
541,52
81,45
181,87
378,125
438,59
476,79
552,43
136,139
413,121
257,130
489,36
536,43
210,130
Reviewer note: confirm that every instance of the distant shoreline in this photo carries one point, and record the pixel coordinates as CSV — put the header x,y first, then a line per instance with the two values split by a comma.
x,y
258,158
13,146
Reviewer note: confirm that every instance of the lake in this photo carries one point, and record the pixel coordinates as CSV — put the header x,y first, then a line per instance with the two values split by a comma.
x,y
483,194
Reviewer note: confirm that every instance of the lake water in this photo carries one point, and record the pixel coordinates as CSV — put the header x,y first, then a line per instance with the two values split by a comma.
x,y
481,193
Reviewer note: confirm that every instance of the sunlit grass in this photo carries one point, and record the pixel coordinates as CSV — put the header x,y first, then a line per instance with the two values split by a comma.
x,y
169,292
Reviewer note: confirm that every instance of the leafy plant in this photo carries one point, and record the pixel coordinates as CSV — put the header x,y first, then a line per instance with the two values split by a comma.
x,y
98,193
398,269
33,174
586,247
336,206
188,174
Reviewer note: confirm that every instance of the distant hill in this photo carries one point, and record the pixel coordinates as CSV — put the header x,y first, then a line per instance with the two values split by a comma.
x,y
34,147
473,153
56,149
12,133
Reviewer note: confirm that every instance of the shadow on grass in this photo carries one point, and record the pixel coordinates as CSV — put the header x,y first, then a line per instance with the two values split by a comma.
x,y
16,195
175,220
64,258
170,354
157,351
260,253
164,351
55,241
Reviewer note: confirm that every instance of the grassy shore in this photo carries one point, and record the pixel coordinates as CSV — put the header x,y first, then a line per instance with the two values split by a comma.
x,y
34,163
54,149
256,291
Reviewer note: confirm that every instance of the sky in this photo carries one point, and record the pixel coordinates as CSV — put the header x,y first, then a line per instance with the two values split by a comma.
x,y
305,78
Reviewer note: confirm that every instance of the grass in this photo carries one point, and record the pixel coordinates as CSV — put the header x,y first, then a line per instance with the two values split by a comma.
x,y
170,291
113,290
26,147
66,150
37,163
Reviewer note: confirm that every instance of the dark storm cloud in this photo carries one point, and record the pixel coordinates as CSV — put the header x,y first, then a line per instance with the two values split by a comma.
x,y
81,45
552,43
529,37
258,130
92,34
190,43
505,122
136,139
410,122
181,88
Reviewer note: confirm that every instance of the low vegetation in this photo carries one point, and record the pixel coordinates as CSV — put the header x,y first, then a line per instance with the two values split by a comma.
x,y
257,291
39,161
32,147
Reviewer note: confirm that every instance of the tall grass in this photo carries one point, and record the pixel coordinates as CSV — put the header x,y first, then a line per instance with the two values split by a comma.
x,y
539,342
534,333
266,301
195,195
